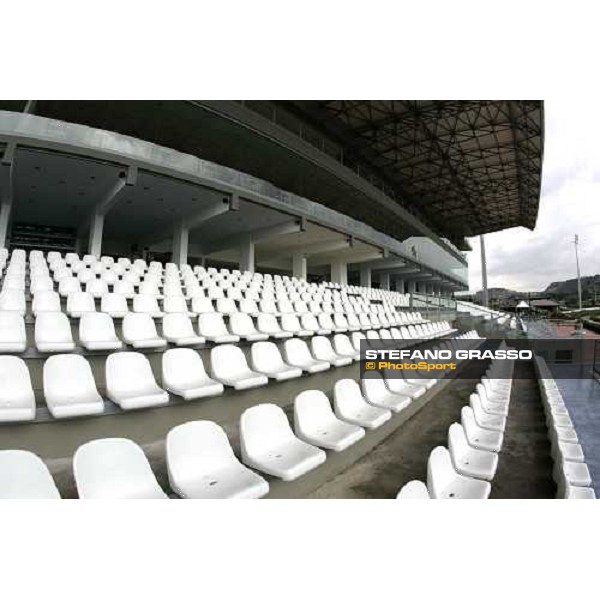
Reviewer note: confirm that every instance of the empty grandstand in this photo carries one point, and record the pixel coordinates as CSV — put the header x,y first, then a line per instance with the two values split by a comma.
x,y
186,288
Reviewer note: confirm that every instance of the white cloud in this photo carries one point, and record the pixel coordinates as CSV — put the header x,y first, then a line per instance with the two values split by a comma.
x,y
526,260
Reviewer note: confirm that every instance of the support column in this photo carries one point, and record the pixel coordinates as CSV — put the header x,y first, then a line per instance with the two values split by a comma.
x,y
299,263
179,254
412,286
384,280
483,272
96,230
6,192
399,285
365,276
5,210
247,255
339,272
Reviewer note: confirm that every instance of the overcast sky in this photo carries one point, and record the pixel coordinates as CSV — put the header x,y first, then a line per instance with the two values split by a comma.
x,y
525,260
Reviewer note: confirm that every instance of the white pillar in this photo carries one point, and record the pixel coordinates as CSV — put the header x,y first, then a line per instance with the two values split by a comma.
x,y
247,256
399,285
339,272
179,254
6,198
5,210
96,229
299,265
384,280
412,286
365,276
484,283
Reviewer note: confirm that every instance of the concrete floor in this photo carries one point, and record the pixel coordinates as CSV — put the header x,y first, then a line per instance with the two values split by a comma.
x,y
524,466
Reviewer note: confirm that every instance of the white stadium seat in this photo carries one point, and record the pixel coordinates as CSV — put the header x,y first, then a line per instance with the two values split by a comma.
x,y
316,423
322,350
114,469
229,366
202,465
242,325
481,464
114,305
176,304
177,328
79,303
268,324
183,374
477,436
399,385
343,346
266,359
147,303
377,394
96,287
269,444
53,333
350,406
69,387
12,300
24,476
17,400
443,482
130,382
97,332
47,301
298,355
213,328
414,490
13,335
139,331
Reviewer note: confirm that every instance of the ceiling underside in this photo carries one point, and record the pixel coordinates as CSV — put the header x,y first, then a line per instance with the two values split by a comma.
x,y
468,167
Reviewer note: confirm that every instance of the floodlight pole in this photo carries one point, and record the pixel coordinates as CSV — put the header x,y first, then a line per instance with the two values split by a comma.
x,y
576,242
483,272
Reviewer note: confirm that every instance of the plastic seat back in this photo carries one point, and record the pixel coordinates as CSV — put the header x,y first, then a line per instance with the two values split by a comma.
x,y
24,476
212,324
128,372
440,472
197,446
177,325
12,327
321,347
241,324
53,326
114,468
297,351
228,361
457,440
266,356
264,427
67,376
139,326
46,301
312,409
97,327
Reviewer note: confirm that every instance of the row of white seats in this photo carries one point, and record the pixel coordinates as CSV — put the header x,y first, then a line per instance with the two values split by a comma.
x,y
117,303
199,457
139,267
570,472
52,331
465,469
70,389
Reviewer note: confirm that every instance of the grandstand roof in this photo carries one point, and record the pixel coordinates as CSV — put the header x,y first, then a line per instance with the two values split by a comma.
x,y
470,167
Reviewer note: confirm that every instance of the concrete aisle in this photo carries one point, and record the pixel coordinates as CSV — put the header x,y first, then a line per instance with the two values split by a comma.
x,y
525,463
524,467
403,455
